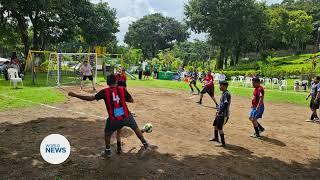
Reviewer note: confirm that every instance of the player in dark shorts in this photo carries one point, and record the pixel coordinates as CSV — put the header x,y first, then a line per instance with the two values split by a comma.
x,y
257,108
208,88
115,99
223,114
193,81
314,102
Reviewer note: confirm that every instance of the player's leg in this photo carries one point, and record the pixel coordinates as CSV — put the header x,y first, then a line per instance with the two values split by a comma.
x,y
84,78
201,95
221,122
108,131
119,149
215,130
91,79
190,85
195,85
253,118
131,122
211,94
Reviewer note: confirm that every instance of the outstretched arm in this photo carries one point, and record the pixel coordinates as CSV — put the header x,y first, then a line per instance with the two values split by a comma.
x,y
308,96
85,98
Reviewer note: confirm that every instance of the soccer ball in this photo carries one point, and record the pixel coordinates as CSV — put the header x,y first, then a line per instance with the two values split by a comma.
x,y
148,128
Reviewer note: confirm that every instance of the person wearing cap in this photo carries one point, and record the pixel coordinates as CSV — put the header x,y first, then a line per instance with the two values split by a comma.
x,y
222,115
257,107
86,71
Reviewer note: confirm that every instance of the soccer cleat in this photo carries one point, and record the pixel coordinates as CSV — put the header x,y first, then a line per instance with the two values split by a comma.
x,y
199,102
220,145
214,140
146,145
106,153
255,135
261,130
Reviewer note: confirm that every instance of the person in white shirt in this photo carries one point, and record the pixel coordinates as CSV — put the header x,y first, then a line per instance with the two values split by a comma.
x,y
86,71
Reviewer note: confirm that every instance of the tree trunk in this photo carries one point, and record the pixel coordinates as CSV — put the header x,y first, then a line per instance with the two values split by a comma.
x,y
233,60
237,56
35,39
23,30
221,58
226,62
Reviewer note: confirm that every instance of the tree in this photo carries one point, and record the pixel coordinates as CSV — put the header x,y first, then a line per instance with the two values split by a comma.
x,y
133,56
300,29
98,26
290,28
228,23
155,32
193,52
60,21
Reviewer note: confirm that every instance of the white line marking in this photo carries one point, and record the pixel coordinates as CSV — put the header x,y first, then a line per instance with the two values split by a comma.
x,y
53,107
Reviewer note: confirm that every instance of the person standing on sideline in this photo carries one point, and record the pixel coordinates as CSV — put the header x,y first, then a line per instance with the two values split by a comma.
x,y
86,71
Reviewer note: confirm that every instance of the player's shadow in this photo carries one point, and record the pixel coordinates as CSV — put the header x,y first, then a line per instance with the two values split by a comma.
x,y
20,156
273,141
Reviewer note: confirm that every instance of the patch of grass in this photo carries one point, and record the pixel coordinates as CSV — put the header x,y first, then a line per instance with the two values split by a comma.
x,y
37,94
290,97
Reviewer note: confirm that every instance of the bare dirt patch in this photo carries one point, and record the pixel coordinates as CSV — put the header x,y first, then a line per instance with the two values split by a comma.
x,y
290,147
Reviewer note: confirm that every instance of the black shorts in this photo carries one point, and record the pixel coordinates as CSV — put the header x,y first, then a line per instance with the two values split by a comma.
x,y
121,83
89,77
114,125
220,121
210,91
314,105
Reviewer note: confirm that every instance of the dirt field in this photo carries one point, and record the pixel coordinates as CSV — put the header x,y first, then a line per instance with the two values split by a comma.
x,y
290,147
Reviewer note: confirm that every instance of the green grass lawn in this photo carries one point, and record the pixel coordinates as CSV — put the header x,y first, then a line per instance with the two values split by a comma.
x,y
40,93
291,97
37,94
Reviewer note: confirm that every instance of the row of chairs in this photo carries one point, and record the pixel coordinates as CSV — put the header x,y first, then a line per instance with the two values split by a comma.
x,y
268,82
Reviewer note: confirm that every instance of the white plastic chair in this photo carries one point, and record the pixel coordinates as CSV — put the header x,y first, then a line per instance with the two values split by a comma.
x,y
14,77
240,80
305,83
222,77
296,85
261,80
248,82
267,82
275,82
234,80
216,77
283,85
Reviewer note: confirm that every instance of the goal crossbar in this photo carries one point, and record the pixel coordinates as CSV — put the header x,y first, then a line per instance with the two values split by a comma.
x,y
58,64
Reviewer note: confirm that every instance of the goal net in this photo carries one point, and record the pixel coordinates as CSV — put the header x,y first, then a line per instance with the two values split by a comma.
x,y
64,68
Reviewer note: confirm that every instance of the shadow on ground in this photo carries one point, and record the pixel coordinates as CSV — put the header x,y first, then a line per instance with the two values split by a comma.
x,y
20,157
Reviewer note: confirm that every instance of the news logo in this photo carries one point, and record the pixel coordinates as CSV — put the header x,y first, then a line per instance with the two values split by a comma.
x,y
55,149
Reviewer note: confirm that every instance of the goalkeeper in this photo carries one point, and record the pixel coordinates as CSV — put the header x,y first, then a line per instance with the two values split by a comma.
x,y
86,71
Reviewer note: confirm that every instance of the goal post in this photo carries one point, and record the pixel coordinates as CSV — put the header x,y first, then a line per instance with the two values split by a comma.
x,y
64,68
36,66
